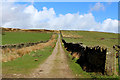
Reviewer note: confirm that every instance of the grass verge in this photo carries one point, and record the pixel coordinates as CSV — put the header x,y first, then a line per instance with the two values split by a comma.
x,y
77,70
26,63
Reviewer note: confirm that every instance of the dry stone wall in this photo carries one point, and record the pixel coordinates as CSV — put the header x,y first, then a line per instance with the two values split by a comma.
x,y
92,59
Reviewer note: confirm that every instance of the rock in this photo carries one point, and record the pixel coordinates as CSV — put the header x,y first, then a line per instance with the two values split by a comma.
x,y
36,60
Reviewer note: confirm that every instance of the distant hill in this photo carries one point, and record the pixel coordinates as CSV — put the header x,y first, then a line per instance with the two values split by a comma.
x,y
27,30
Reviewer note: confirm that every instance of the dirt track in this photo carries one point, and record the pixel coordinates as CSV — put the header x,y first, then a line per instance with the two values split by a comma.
x,y
55,66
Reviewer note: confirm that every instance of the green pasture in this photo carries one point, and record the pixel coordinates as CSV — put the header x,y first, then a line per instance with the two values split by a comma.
x,y
89,38
93,38
24,37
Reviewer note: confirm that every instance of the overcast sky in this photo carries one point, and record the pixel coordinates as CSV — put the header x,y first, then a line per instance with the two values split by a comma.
x,y
91,16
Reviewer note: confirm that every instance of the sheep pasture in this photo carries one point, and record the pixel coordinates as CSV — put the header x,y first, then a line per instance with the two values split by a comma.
x,y
24,37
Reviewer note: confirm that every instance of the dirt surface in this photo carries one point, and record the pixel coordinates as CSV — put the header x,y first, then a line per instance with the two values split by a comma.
x,y
55,66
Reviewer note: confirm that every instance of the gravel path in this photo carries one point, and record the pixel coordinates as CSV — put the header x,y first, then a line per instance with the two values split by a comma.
x,y
55,66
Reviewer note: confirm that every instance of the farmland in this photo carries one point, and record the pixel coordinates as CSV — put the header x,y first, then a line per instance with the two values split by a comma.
x,y
46,59
90,38
25,64
24,37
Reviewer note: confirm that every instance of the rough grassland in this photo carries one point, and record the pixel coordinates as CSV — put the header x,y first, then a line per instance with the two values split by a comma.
x,y
93,38
90,39
23,37
25,64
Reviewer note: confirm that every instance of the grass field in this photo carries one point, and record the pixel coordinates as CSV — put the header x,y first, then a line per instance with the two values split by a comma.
x,y
92,38
25,64
22,37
